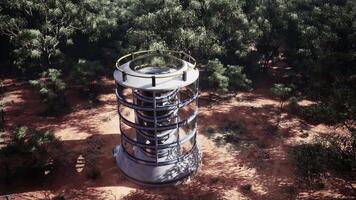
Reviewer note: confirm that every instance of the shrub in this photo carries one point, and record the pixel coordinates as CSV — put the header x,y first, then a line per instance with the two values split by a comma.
x,y
282,92
237,79
293,106
331,153
310,160
231,133
51,89
319,113
216,76
343,148
30,152
86,73
224,78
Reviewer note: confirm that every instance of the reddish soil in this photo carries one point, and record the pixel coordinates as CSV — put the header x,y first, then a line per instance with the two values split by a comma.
x,y
89,134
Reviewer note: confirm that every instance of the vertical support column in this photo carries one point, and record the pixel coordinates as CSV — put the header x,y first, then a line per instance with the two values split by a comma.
x,y
177,123
196,104
153,81
155,124
124,76
197,91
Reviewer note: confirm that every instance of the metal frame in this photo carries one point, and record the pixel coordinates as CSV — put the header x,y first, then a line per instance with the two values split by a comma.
x,y
142,54
174,126
157,142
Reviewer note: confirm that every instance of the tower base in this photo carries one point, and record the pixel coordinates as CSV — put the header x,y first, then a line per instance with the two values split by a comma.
x,y
149,175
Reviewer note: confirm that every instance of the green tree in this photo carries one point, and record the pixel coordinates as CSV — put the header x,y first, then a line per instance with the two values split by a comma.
x,y
283,93
217,79
224,78
87,74
40,30
206,29
237,78
51,89
30,152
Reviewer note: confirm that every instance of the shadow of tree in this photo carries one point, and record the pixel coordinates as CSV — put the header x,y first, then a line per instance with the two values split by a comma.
x,y
318,113
71,175
23,107
200,187
75,194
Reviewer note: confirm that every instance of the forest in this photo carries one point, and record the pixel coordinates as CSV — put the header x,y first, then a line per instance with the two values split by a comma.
x,y
277,102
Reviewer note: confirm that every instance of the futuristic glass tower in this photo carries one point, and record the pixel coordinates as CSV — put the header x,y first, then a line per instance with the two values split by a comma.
x,y
157,104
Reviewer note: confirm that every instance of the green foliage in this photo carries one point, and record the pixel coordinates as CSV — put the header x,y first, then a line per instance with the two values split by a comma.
x,y
237,79
333,151
216,77
51,89
30,152
315,37
339,107
330,154
311,160
41,30
85,72
281,91
206,29
158,46
321,112
223,78
230,133
28,55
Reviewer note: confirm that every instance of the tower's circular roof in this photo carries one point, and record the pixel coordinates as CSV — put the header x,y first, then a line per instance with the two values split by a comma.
x,y
152,70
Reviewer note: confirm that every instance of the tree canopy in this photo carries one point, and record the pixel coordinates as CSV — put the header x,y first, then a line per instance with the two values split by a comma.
x,y
233,40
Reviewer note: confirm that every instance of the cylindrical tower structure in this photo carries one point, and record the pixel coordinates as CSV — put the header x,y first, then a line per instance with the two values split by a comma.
x,y
157,94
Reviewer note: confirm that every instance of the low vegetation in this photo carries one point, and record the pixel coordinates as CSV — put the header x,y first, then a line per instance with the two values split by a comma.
x,y
282,93
52,91
29,153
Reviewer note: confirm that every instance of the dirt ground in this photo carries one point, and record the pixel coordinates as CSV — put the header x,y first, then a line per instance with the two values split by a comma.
x,y
258,159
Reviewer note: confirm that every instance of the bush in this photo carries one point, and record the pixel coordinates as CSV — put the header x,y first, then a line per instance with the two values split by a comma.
x,y
310,160
293,106
30,152
332,153
320,113
216,76
231,77
344,151
86,73
51,89
282,92
231,133
237,79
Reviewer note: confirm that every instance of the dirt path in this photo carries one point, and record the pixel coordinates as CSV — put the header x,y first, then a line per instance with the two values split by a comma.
x,y
258,158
